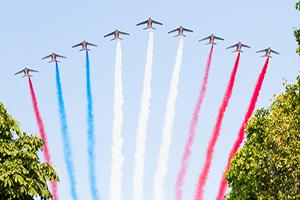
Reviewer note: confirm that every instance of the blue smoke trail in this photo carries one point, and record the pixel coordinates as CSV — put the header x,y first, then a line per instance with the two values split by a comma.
x,y
66,139
90,132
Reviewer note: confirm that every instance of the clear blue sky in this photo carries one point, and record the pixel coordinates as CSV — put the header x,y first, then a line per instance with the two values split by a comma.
x,y
33,29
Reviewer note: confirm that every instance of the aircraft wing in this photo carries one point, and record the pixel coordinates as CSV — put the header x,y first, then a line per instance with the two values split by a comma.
x,y
173,30
123,33
243,45
206,38
232,46
109,34
19,72
156,22
32,70
274,52
218,38
260,51
77,45
60,56
188,30
46,57
142,23
91,44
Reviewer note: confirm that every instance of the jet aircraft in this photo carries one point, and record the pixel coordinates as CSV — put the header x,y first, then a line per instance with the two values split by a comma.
x,y
211,39
53,57
268,52
238,47
149,23
84,45
116,34
26,72
180,31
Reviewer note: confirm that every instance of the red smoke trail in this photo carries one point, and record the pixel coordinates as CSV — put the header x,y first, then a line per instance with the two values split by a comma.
x,y
43,135
192,132
239,140
216,132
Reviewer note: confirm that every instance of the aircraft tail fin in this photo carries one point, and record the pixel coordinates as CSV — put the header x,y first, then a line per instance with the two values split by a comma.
x,y
116,39
266,56
149,28
56,61
212,43
84,49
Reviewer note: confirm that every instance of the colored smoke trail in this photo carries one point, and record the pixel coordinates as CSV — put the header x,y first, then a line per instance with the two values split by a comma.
x,y
43,135
161,170
138,176
65,134
117,141
192,132
239,140
90,132
216,132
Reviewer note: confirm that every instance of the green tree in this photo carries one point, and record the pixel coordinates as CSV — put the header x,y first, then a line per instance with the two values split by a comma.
x,y
22,175
268,165
297,31
298,5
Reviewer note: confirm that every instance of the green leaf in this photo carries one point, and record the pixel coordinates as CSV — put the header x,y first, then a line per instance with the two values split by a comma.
x,y
22,175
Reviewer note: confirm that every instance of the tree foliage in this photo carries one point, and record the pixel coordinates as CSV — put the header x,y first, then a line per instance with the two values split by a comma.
x,y
22,175
298,5
297,36
268,165
297,31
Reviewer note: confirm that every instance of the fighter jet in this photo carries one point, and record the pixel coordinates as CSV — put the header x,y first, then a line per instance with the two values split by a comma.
x,y
84,45
116,34
268,52
53,57
149,23
211,39
26,72
238,46
180,30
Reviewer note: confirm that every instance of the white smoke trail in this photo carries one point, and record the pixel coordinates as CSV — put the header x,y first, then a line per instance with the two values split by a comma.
x,y
117,141
138,176
161,170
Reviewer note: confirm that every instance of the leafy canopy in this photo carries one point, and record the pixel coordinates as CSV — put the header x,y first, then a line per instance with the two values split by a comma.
x,y
298,5
297,31
22,175
268,165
